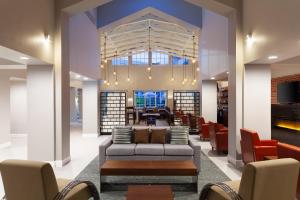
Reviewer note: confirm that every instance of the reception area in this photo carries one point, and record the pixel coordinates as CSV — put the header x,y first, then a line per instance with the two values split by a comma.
x,y
149,99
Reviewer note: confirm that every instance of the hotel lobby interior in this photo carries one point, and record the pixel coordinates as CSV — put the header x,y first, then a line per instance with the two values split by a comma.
x,y
150,99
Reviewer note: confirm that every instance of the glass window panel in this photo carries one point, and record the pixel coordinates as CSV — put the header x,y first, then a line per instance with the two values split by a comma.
x,y
159,58
150,99
120,61
139,99
140,58
179,60
161,97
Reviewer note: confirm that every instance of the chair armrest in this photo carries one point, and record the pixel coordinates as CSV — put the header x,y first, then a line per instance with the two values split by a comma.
x,y
195,144
102,150
63,194
268,142
262,151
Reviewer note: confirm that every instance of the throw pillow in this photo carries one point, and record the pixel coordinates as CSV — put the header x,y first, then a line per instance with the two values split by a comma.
x,y
158,136
122,135
141,136
179,135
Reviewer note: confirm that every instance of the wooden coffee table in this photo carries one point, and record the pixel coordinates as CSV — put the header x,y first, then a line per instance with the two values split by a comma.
x,y
149,192
149,168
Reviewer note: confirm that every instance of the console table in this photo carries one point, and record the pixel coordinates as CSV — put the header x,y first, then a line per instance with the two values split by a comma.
x,y
149,168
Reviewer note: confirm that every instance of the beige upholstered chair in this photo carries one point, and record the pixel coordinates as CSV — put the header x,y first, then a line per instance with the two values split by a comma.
x,y
31,180
264,180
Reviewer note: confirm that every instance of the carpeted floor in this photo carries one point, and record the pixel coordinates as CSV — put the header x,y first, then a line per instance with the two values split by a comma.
x,y
209,173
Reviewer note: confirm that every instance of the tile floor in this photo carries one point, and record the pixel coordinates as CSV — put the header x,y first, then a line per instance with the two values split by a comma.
x,y
83,150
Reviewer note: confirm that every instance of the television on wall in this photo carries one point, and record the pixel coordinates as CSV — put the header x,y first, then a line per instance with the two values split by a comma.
x,y
288,92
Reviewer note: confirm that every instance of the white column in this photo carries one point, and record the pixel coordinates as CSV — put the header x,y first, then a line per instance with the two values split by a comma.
x,y
4,110
257,99
40,98
62,91
209,100
235,80
90,111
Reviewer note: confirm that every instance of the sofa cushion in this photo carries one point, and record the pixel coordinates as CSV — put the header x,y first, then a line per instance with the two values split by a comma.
x,y
158,136
179,135
120,150
149,149
178,150
122,135
141,136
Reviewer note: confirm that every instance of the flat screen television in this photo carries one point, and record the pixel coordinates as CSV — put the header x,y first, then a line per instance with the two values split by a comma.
x,y
288,92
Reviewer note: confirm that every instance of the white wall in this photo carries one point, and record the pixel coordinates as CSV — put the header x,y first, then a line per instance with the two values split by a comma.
x,y
24,25
161,80
257,99
214,44
209,106
18,107
84,46
274,24
4,109
279,70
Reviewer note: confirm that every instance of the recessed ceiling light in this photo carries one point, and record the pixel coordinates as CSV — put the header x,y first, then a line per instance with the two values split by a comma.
x,y
272,57
24,58
227,72
78,76
85,78
212,78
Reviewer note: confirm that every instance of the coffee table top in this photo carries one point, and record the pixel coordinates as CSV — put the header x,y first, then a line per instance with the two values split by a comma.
x,y
149,192
149,168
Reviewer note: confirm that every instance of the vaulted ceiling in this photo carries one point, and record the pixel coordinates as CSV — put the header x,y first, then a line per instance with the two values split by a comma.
x,y
149,35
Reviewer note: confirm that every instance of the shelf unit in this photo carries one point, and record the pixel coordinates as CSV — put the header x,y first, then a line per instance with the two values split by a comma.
x,y
223,98
187,101
223,104
112,110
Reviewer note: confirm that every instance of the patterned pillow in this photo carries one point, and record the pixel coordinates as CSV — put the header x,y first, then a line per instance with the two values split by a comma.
x,y
122,135
179,135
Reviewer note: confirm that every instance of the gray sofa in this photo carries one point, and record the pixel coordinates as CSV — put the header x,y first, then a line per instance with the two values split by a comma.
x,y
110,151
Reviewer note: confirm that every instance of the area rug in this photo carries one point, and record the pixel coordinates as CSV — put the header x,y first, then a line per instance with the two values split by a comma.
x,y
210,173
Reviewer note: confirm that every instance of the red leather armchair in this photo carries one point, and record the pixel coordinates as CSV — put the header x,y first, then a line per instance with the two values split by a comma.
x,y
203,129
290,151
254,149
218,137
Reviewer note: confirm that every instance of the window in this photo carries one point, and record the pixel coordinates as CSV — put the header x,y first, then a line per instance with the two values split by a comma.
x,y
139,99
161,97
120,61
150,99
140,58
159,58
179,60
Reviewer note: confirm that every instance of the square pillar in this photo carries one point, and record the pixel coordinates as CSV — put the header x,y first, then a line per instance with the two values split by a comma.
x,y
40,99
90,108
62,90
4,110
209,100
257,99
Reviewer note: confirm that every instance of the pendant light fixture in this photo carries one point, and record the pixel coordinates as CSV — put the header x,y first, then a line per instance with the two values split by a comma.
x,y
194,61
149,52
115,73
105,43
172,69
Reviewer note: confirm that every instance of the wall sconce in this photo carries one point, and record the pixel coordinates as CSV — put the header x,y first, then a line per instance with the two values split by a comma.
x,y
46,38
249,39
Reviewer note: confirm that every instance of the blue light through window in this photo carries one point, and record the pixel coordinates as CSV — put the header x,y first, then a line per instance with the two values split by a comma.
x,y
120,61
140,58
159,58
179,60
150,99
